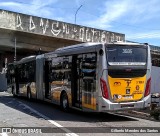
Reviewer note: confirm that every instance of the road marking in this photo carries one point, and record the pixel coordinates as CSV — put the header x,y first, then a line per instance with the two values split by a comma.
x,y
68,132
3,134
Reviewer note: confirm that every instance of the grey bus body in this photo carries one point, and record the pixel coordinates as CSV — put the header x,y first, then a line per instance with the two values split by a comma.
x,y
71,77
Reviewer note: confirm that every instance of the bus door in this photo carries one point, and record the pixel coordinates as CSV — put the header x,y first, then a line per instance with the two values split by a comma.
x,y
47,79
88,69
76,84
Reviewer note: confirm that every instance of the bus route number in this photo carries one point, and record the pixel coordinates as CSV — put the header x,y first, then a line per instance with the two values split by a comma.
x,y
127,51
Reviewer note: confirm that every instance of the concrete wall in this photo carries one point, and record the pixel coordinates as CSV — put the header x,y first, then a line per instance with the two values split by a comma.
x,y
155,79
53,28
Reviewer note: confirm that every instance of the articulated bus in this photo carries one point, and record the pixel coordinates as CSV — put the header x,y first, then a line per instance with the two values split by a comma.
x,y
92,77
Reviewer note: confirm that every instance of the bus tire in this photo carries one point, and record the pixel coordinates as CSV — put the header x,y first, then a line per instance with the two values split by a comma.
x,y
14,95
29,96
13,92
64,102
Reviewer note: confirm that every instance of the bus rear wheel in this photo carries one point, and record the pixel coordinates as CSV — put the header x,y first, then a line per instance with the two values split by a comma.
x,y
64,102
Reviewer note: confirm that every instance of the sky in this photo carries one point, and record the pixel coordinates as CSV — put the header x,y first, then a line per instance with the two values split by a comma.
x,y
139,20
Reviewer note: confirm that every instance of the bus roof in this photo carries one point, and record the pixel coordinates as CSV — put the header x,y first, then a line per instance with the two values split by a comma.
x,y
87,47
77,46
78,49
26,59
128,43
84,45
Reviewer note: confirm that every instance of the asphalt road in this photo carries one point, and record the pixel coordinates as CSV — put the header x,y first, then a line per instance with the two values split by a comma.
x,y
35,116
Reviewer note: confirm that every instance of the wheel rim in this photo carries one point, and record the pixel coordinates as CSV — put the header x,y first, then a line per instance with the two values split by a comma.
x,y
29,95
65,102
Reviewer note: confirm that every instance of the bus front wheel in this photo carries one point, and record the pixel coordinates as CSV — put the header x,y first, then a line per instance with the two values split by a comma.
x,y
64,102
13,92
29,94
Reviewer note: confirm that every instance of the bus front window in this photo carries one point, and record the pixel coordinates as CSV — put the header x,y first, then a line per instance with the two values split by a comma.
x,y
126,55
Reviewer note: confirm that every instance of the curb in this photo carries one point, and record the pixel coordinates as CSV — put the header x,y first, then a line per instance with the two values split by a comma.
x,y
138,114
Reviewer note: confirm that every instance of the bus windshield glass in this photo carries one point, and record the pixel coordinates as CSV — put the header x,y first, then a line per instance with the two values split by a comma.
x,y
126,55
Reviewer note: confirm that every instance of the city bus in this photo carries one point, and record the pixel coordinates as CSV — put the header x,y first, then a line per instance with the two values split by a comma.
x,y
96,77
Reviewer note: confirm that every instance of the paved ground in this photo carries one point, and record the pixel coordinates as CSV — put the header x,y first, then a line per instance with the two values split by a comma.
x,y
143,114
19,112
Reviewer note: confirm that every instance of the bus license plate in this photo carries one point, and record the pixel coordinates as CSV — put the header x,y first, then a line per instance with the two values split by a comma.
x,y
128,97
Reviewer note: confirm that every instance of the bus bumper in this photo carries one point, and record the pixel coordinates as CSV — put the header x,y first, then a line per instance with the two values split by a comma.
x,y
110,106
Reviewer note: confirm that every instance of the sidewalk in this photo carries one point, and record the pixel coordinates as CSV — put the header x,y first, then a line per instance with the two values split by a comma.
x,y
140,113
151,113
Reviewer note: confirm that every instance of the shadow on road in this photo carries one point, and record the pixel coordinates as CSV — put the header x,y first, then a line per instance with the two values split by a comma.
x,y
55,113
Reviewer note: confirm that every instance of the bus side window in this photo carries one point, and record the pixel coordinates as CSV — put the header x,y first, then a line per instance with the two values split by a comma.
x,y
61,68
89,71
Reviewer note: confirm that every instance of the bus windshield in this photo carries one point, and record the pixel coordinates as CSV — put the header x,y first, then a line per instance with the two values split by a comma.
x,y
126,55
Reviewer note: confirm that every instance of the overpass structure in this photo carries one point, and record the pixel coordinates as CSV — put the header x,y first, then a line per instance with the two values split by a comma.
x,y
31,33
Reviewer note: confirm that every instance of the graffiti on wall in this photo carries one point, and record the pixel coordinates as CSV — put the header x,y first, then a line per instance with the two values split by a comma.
x,y
55,28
